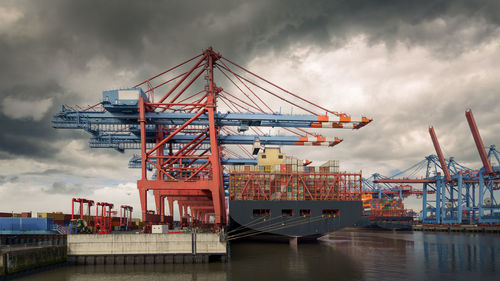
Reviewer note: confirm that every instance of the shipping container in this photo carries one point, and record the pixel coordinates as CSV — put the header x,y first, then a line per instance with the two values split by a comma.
x,y
56,216
5,215
159,229
26,224
26,214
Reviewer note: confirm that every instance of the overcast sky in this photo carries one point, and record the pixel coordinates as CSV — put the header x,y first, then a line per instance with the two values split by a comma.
x,y
405,64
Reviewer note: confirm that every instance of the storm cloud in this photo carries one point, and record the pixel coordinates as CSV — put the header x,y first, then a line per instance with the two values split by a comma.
x,y
407,64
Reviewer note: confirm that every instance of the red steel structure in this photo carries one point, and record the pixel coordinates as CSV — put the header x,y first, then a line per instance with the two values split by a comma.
x,y
82,203
478,141
174,179
103,215
125,216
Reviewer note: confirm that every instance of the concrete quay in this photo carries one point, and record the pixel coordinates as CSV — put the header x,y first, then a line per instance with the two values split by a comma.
x,y
15,259
457,228
25,252
90,249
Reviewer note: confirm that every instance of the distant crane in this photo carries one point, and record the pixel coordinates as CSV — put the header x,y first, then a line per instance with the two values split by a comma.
x,y
125,216
103,215
81,205
460,195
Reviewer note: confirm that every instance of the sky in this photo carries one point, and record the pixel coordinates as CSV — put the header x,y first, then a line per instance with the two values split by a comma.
x,y
407,65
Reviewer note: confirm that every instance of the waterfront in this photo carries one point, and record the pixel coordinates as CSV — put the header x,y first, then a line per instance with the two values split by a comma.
x,y
345,255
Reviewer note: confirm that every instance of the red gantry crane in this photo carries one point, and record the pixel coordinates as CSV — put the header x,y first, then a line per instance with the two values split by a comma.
x,y
81,203
103,216
125,217
187,126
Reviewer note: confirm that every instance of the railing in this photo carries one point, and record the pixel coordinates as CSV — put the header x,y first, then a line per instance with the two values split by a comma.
x,y
61,229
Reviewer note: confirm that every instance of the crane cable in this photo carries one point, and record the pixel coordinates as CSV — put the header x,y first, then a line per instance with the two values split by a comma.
x,y
253,223
258,231
277,226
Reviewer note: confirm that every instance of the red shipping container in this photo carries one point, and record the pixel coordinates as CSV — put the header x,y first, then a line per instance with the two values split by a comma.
x,y
26,215
5,215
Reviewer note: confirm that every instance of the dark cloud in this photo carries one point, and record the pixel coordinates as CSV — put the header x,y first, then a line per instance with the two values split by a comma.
x,y
55,40
48,172
8,179
60,187
69,51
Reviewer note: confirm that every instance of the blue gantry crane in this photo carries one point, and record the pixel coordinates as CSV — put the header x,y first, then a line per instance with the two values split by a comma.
x,y
453,193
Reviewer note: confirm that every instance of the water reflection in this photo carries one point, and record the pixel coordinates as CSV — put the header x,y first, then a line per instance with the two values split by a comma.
x,y
421,256
341,256
461,253
268,261
180,272
148,272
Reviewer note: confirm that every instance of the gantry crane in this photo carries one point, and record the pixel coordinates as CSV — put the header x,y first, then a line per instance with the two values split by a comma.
x,y
103,216
125,217
385,190
187,128
459,194
81,202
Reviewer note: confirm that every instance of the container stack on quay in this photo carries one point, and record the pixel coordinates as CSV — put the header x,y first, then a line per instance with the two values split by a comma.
x,y
16,215
47,223
20,225
58,217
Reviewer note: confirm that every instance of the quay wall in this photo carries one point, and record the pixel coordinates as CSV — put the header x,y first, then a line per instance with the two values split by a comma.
x,y
15,259
146,248
457,228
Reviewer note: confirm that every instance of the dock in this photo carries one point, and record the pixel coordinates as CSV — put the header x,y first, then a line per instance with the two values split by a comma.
x,y
20,253
91,249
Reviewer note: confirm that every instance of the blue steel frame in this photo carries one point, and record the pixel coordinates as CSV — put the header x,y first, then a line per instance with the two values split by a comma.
x,y
446,202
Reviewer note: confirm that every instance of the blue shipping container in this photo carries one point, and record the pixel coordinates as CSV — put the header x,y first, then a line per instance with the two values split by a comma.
x,y
26,224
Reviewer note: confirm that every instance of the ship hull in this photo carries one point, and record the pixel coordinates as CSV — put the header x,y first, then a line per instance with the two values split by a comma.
x,y
385,223
322,217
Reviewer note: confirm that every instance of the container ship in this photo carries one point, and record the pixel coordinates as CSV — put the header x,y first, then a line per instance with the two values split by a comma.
x,y
283,198
384,214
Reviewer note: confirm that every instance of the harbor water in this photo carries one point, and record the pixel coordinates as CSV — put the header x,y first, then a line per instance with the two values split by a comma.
x,y
344,255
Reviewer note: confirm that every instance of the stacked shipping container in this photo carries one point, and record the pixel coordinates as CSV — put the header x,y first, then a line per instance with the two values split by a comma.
x,y
386,207
293,181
